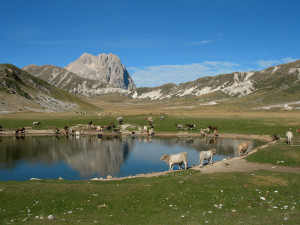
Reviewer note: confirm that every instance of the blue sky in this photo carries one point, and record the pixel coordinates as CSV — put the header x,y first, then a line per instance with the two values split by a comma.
x,y
159,41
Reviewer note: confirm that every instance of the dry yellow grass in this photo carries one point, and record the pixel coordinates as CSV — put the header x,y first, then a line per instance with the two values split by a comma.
x,y
268,181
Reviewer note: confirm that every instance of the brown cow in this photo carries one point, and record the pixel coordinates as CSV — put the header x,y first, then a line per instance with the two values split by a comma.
x,y
21,130
242,148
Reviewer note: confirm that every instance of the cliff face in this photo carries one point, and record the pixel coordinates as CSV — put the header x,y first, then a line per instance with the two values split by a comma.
x,y
104,68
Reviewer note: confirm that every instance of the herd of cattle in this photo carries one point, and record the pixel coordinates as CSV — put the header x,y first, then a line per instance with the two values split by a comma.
x,y
180,158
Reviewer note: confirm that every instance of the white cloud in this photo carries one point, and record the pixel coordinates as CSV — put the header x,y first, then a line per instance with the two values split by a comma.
x,y
199,42
151,76
268,63
288,60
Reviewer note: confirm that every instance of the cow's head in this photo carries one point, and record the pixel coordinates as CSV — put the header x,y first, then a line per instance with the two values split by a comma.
x,y
163,158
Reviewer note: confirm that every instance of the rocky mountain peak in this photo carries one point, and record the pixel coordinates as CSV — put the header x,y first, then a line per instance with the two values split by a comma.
x,y
105,68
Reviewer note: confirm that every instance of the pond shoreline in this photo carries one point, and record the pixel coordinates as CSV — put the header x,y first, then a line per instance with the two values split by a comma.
x,y
237,164
49,132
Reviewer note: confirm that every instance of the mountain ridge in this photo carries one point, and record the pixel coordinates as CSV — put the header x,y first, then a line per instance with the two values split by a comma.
x,y
21,90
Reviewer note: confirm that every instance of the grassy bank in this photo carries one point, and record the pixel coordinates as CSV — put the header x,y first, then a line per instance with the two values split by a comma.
x,y
187,197
261,124
279,153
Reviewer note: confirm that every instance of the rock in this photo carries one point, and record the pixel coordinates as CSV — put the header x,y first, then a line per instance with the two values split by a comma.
x,y
50,217
35,179
106,68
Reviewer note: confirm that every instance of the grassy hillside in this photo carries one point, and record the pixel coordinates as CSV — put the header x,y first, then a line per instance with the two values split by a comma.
x,y
16,84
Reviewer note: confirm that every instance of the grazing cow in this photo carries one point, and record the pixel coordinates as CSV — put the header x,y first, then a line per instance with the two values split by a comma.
x,y
179,126
120,120
298,130
213,127
145,128
149,119
202,132
191,126
180,158
150,132
36,123
242,148
275,137
140,129
90,124
207,155
151,124
1,128
66,128
289,136
216,133
56,131
21,130
99,128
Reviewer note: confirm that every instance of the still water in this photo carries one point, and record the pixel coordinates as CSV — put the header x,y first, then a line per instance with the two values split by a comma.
x,y
86,157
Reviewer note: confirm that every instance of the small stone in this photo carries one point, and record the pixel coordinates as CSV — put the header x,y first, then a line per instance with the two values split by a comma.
x,y
50,217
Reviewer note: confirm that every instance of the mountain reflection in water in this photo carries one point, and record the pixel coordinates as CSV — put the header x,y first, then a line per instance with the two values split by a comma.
x,y
86,157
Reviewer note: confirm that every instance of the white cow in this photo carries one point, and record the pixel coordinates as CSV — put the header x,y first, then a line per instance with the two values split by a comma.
x,y
289,136
145,128
207,155
180,158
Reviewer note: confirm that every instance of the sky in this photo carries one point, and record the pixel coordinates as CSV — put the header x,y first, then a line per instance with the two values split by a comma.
x,y
159,41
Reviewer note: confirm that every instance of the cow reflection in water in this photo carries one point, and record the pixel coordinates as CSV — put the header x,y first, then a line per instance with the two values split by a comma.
x,y
210,140
20,137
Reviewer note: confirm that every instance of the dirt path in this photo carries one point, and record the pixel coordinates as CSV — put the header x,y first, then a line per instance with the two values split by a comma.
x,y
239,164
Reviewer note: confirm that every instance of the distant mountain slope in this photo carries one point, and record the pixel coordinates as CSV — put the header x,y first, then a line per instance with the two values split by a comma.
x,y
20,90
105,68
70,81
238,84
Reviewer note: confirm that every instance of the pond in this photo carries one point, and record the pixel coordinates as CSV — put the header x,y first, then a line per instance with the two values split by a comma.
x,y
87,157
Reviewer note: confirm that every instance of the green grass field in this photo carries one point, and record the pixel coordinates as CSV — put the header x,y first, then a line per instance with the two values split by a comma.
x,y
280,153
261,125
186,197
